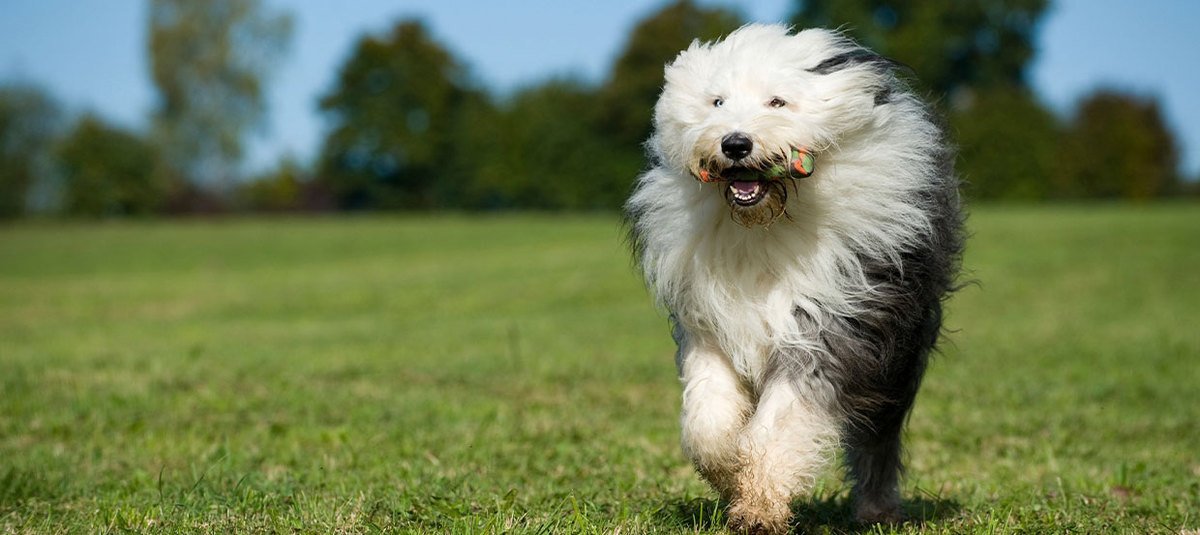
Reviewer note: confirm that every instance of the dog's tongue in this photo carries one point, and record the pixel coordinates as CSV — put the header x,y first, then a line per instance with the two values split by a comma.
x,y
745,188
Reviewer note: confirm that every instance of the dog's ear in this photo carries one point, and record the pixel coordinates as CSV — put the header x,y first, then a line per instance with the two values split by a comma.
x,y
881,65
858,56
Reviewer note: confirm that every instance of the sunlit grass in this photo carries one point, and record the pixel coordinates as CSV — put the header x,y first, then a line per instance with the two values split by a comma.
x,y
498,374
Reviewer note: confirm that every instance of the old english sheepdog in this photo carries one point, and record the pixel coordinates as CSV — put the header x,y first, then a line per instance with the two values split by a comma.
x,y
801,224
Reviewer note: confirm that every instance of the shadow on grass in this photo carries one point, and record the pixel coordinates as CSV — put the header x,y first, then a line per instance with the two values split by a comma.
x,y
819,515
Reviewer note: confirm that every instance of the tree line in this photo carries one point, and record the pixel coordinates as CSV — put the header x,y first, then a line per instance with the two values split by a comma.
x,y
410,128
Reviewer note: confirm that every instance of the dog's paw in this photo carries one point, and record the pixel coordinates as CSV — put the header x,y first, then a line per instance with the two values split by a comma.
x,y
878,513
758,519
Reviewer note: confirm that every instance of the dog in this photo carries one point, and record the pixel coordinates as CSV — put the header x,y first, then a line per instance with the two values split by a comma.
x,y
800,221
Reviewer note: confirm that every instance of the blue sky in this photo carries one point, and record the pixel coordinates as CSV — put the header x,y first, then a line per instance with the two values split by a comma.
x,y
90,53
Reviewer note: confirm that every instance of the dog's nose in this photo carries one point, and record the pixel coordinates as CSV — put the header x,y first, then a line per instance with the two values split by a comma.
x,y
736,146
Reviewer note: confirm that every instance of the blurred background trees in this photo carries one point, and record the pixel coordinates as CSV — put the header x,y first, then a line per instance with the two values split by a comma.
x,y
636,79
107,171
1117,146
971,57
565,144
209,62
1008,144
533,155
397,113
29,122
409,127
952,45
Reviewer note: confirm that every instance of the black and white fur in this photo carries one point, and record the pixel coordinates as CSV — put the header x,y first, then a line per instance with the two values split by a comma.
x,y
809,329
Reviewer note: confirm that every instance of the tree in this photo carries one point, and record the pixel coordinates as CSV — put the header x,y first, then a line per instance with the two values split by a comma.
x,y
1008,145
536,153
396,112
29,121
950,44
1118,145
108,171
289,187
626,101
972,56
209,64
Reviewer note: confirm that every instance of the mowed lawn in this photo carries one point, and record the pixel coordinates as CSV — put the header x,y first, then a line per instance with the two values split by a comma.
x,y
510,374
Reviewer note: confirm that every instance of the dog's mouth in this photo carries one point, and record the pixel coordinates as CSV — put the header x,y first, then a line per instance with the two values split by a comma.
x,y
744,192
757,190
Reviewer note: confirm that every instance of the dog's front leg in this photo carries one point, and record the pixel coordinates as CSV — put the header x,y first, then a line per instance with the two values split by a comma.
x,y
715,408
781,451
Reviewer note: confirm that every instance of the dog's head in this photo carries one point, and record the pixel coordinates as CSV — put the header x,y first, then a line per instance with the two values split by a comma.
x,y
735,112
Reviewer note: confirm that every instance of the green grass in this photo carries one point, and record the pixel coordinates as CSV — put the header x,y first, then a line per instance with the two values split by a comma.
x,y
509,374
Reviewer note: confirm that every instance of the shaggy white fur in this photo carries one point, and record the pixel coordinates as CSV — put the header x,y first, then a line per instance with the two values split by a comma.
x,y
734,290
738,285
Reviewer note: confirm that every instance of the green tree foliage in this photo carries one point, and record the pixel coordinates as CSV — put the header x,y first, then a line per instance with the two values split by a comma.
x,y
108,171
277,191
29,121
1008,145
626,100
287,188
950,44
972,56
565,145
209,62
397,110
1118,145
537,153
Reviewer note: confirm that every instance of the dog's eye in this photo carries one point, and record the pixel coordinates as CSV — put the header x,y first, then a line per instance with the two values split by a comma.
x,y
718,102
777,103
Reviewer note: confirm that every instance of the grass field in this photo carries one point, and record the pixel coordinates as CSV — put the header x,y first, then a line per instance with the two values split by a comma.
x,y
509,374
